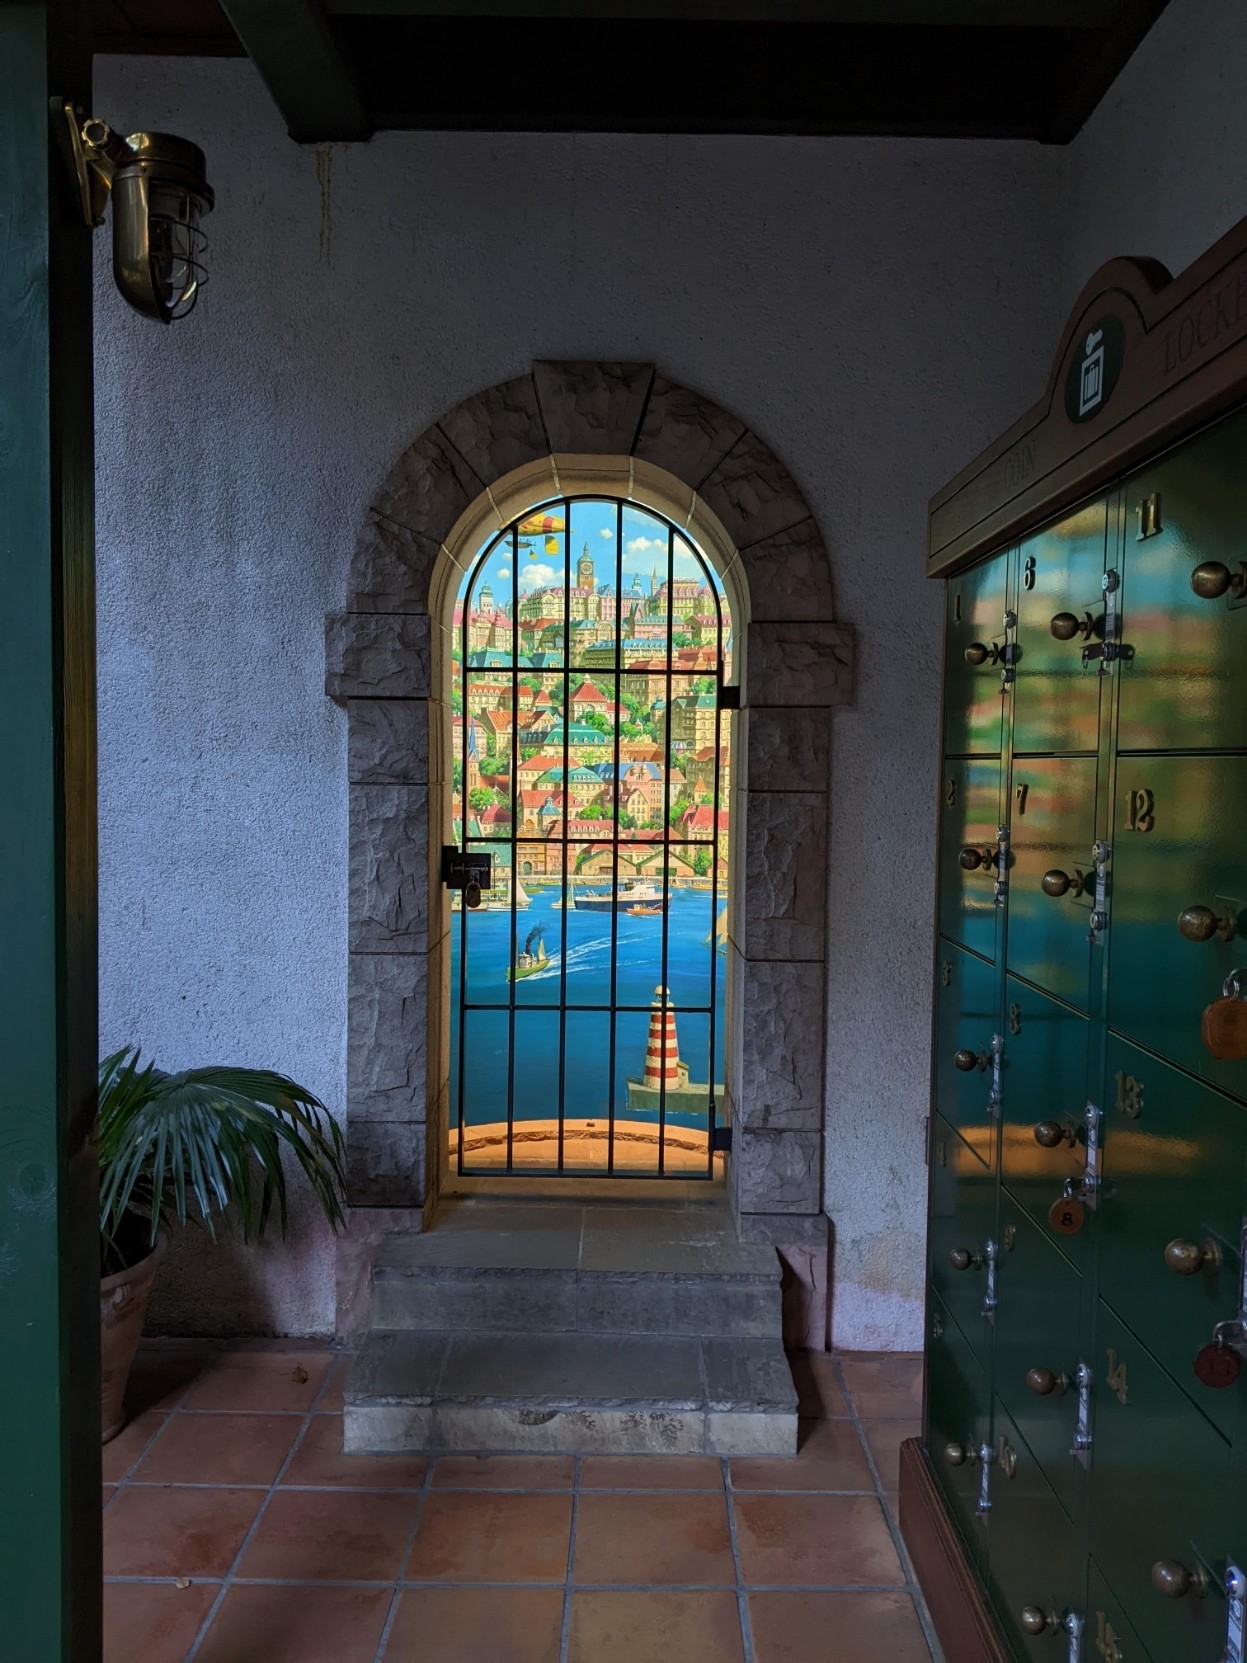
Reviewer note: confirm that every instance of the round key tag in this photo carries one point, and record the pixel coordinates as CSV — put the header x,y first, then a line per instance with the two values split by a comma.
x,y
1066,1215
1223,1029
1217,1366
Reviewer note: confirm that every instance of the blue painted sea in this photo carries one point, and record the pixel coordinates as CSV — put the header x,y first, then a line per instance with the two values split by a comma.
x,y
580,974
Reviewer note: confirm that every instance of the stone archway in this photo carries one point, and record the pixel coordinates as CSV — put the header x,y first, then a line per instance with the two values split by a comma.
x,y
630,420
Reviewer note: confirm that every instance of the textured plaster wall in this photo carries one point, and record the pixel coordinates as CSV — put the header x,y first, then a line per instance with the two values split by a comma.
x,y
1161,167
877,310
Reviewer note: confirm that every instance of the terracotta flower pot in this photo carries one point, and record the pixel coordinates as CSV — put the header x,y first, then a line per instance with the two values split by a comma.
x,y
123,1305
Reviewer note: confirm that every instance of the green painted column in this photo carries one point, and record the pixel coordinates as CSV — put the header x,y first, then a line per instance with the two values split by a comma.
x,y
49,1232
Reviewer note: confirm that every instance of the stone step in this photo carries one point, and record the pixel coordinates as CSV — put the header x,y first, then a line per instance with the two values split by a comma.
x,y
573,1393
619,1270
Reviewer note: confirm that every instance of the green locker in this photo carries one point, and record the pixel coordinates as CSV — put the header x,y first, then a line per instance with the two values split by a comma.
x,y
1060,608
1179,876
975,693
1086,1405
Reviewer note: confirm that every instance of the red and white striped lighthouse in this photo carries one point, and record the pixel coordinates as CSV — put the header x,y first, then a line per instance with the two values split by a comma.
x,y
662,1050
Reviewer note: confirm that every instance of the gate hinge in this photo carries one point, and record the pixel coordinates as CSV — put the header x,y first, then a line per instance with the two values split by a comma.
x,y
721,1139
729,698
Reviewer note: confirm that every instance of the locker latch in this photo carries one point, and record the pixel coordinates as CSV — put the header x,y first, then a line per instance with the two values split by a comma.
x,y
1073,1630
1082,1426
988,1308
1235,1614
1109,650
1091,1168
986,1456
1100,853
993,1100
1002,864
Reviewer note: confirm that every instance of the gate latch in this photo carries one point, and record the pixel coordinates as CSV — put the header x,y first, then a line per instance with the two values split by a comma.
x,y
469,872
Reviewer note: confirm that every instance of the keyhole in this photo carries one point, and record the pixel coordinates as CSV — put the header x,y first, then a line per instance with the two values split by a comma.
x,y
472,894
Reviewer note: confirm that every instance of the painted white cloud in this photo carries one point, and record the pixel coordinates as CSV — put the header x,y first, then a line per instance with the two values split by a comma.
x,y
504,571
646,545
605,531
536,577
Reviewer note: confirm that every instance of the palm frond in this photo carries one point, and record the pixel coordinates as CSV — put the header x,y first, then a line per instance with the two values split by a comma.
x,y
192,1144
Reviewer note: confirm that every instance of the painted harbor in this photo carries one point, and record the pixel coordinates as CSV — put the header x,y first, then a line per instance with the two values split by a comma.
x,y
580,974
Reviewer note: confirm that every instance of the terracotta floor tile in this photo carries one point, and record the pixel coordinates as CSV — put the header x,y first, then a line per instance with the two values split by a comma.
x,y
153,1622
161,1375
477,1625
815,1541
491,1538
651,1472
334,1535
297,1625
818,1386
829,1457
657,1626
319,1460
836,1628
504,1472
121,1452
261,1380
218,1449
885,1386
331,1402
885,1438
176,1532
653,1539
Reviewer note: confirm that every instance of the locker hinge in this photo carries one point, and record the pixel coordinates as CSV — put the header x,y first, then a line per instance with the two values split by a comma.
x,y
1100,854
1082,1427
988,1307
1235,1614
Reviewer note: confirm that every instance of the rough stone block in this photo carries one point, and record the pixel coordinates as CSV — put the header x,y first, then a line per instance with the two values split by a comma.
x,y
593,409
498,429
747,1374
684,433
781,1076
369,1233
387,1005
800,664
783,915
789,574
396,1366
390,568
779,1171
428,487
389,869
751,1432
446,1300
386,1428
632,1431
385,1163
789,749
787,1232
753,493
377,655
387,741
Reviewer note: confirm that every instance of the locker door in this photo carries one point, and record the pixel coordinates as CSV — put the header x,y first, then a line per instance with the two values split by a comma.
x,y
1052,874
974,693
969,909
1060,608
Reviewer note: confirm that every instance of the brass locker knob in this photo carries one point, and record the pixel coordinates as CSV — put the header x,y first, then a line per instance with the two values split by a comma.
x,y
976,653
970,859
961,1258
1066,625
1057,883
1050,1134
967,1061
1211,579
1202,923
1175,1580
1043,1382
955,1455
1035,1620
1188,1258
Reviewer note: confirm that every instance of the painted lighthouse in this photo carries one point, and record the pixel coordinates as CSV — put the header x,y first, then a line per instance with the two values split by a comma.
x,y
666,1077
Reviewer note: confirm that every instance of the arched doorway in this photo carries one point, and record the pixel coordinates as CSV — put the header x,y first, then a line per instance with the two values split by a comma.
x,y
591,692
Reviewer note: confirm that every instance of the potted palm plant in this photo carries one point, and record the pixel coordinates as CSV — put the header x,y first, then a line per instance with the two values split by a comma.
x,y
185,1148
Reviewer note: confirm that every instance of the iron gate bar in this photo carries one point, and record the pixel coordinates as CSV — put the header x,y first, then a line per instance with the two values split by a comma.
x,y
663,840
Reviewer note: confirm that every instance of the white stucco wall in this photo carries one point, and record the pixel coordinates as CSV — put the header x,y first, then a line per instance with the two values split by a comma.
x,y
876,310
1161,167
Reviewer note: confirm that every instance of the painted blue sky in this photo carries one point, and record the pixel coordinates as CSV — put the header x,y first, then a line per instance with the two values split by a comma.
x,y
595,524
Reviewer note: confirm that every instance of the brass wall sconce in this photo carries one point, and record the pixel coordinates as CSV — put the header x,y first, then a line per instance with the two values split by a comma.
x,y
159,193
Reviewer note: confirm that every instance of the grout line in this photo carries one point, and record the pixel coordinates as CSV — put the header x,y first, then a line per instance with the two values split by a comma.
x,y
211,1614
396,1596
898,1541
124,1482
419,1584
742,1598
565,1628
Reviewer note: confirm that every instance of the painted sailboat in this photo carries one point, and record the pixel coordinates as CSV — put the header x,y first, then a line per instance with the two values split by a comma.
x,y
719,932
532,958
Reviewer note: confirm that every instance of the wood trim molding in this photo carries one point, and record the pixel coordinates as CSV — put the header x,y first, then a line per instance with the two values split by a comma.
x,y
1171,354
963,1621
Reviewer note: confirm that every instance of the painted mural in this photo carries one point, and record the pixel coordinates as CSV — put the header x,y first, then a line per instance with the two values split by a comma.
x,y
592,762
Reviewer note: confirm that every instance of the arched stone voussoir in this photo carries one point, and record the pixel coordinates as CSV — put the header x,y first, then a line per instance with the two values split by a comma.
x,y
497,430
788,574
686,433
391,567
428,487
592,409
753,493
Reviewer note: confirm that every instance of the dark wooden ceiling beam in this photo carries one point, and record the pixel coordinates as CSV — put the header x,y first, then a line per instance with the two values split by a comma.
x,y
1024,14
298,59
